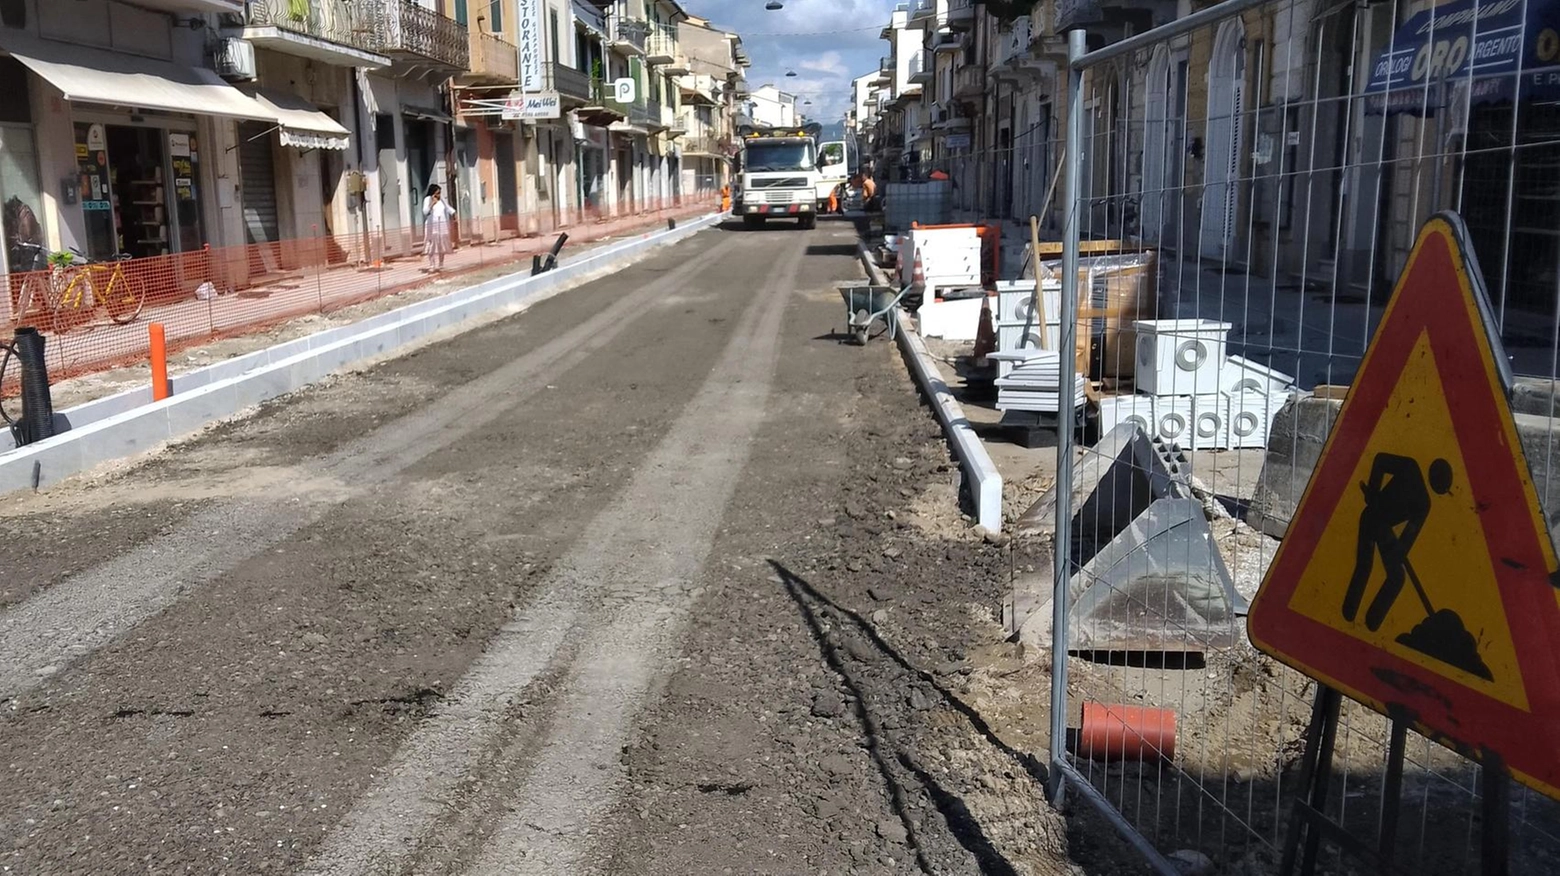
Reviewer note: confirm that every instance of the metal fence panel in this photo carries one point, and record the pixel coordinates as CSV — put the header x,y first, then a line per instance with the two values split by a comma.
x,y
1277,159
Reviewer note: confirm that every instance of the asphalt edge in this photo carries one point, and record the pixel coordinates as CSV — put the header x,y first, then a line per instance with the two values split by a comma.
x,y
980,473
129,423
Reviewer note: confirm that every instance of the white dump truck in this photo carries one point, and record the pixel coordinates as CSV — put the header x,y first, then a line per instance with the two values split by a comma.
x,y
779,176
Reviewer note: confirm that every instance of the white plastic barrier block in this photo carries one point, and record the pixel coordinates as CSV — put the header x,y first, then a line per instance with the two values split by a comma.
x,y
1243,375
1180,356
1135,410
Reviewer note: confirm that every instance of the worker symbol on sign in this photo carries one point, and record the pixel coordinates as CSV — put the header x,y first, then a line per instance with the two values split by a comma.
x,y
1397,504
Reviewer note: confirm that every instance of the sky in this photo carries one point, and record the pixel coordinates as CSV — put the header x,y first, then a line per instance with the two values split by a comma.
x,y
826,42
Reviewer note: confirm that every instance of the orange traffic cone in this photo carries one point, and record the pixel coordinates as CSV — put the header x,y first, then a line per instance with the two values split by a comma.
x,y
918,276
985,335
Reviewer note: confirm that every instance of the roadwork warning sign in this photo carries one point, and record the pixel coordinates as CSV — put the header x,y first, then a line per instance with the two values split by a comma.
x,y
1417,575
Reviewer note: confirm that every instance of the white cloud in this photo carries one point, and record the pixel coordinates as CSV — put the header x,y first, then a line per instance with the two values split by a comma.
x,y
827,42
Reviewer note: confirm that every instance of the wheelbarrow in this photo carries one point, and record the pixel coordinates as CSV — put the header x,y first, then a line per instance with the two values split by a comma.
x,y
866,304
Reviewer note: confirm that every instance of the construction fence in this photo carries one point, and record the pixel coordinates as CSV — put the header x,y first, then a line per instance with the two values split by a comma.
x,y
223,292
1277,159
1273,163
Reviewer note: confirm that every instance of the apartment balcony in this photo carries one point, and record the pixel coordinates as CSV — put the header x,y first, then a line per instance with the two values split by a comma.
x,y
599,109
946,40
896,21
493,61
629,36
950,119
969,83
572,85
418,37
703,147
661,46
698,89
923,69
646,114
961,14
922,10
330,33
231,7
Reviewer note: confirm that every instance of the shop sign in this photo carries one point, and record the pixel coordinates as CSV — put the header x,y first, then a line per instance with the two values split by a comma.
x,y
957,141
97,141
1477,45
546,105
179,144
532,64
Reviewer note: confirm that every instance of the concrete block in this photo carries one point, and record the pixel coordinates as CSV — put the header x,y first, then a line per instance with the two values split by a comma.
x,y
1160,585
1300,431
189,413
1113,483
56,459
125,435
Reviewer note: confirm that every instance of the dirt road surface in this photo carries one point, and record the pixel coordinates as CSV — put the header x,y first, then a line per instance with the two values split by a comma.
x,y
657,577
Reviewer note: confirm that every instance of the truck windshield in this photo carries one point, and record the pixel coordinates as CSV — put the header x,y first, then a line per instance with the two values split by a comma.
x,y
769,157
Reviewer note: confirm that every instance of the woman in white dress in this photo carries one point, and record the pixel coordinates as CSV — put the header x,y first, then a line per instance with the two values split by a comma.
x,y
436,227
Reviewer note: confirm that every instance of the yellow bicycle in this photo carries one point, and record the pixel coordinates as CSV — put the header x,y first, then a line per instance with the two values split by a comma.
x,y
69,293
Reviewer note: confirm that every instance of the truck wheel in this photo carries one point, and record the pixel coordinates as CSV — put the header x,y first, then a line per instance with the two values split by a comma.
x,y
809,222
753,223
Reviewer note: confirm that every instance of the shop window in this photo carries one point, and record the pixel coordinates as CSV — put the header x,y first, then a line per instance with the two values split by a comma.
x,y
22,199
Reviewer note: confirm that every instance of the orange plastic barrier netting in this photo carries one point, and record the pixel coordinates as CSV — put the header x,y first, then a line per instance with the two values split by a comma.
x,y
223,292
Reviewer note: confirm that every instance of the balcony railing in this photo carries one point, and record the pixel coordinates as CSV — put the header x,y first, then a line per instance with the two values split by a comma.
x,y
922,9
661,45
646,113
631,33
335,21
969,82
568,81
403,29
702,146
493,59
961,13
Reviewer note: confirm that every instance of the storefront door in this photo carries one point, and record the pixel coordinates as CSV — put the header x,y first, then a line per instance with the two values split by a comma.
x,y
508,188
257,186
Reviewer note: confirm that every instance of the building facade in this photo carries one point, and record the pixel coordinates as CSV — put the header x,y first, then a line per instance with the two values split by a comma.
x,y
219,133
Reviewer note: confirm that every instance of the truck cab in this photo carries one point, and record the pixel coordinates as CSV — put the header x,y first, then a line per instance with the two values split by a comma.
x,y
779,176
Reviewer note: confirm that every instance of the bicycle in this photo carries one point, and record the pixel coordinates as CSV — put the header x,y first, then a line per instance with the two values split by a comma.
x,y
68,293
7,356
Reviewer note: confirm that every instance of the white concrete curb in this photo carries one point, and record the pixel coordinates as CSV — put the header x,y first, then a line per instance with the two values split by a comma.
x,y
130,422
980,473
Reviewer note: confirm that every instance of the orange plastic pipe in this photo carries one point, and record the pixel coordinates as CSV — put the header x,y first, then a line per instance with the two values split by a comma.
x,y
159,361
1116,732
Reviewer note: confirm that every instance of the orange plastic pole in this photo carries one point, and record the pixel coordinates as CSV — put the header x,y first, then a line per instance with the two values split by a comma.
x,y
159,361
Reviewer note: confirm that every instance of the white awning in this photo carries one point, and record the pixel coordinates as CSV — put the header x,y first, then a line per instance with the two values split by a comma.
x,y
301,124
96,76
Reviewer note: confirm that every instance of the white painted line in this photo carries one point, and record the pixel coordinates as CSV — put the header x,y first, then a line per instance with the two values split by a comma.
x,y
129,423
985,482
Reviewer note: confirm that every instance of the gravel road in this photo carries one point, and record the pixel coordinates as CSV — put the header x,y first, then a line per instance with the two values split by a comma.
x,y
657,577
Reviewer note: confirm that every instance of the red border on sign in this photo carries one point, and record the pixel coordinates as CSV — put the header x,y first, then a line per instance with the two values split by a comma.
x,y
1436,296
